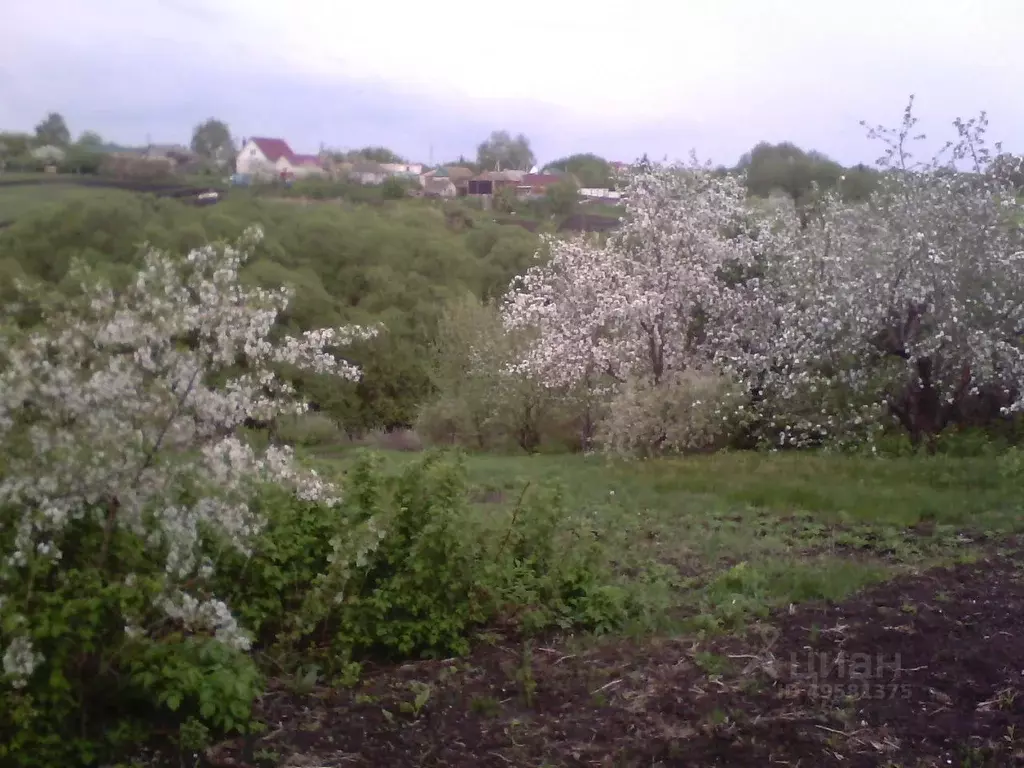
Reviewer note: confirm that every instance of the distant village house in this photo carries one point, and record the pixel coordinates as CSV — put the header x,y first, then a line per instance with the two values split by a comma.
x,y
406,170
273,158
440,187
368,172
456,175
593,193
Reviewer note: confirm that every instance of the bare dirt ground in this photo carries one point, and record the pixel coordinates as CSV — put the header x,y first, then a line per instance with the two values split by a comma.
x,y
921,671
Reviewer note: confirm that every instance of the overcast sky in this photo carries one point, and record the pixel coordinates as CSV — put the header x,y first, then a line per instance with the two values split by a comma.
x,y
616,78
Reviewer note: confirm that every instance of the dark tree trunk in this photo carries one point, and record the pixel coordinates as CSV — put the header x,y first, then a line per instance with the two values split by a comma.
x,y
269,425
920,408
528,434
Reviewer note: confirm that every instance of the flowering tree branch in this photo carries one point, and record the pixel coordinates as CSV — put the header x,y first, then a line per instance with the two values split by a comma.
x,y
120,409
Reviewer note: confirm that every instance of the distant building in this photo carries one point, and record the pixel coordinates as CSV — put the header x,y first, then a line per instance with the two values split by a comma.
x,y
368,172
492,181
273,158
537,184
593,193
406,170
457,174
439,187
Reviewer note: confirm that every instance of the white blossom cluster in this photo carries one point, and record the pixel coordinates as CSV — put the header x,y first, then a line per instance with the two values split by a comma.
x,y
207,614
20,661
626,308
904,305
125,405
919,291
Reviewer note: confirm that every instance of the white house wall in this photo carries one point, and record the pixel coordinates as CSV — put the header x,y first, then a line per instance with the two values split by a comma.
x,y
251,160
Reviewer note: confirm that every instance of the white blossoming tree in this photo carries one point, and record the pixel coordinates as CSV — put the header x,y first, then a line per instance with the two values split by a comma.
x,y
119,413
836,319
910,306
635,313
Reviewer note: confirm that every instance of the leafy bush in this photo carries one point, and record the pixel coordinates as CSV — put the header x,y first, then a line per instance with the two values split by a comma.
x,y
117,457
147,551
310,429
691,411
94,688
427,573
481,401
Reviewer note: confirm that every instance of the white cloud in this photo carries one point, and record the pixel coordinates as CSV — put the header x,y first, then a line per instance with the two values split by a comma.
x,y
640,60
718,74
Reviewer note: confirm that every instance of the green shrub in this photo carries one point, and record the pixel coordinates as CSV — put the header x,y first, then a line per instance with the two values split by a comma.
x,y
100,691
428,575
310,429
403,567
416,594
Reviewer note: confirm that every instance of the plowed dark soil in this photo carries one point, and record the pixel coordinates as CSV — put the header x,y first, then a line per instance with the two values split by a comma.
x,y
921,671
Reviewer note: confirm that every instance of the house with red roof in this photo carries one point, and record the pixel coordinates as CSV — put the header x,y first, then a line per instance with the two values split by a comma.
x,y
263,157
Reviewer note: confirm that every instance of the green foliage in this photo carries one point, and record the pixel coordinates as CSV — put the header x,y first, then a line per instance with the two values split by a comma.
x,y
100,692
375,154
431,576
502,150
309,430
211,139
52,130
396,263
13,144
589,169
321,188
785,168
477,404
562,198
80,158
404,567
393,189
417,592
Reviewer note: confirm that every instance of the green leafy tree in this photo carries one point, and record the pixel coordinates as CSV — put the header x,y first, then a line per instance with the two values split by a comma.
x,y
393,189
90,139
212,140
53,131
376,155
462,162
396,264
502,150
859,182
479,403
13,144
82,159
786,168
590,169
562,198
505,200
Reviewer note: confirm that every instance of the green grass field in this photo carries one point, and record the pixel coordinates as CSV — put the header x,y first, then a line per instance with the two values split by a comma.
x,y
18,200
735,535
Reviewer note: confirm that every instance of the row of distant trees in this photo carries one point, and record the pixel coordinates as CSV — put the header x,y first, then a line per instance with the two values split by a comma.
x,y
211,141
769,169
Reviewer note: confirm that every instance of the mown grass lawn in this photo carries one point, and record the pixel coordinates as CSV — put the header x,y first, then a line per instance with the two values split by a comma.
x,y
735,535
